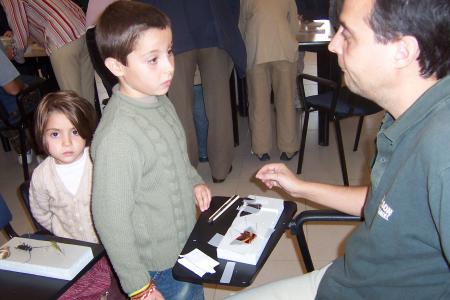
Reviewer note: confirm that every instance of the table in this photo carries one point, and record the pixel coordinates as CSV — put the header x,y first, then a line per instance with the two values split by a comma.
x,y
243,274
312,40
14,285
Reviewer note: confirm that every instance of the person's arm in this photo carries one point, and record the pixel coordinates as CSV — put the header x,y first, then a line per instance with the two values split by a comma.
x,y
9,80
17,19
14,87
346,199
40,201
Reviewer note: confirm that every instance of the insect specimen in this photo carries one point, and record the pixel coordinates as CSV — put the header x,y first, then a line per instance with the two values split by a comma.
x,y
28,248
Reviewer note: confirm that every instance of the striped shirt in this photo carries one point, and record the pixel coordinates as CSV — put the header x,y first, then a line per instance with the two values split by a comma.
x,y
51,23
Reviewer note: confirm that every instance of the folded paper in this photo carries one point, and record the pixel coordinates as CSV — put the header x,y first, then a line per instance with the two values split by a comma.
x,y
198,262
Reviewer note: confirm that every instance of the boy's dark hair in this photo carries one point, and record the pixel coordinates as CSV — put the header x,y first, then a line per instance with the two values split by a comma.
x,y
120,25
427,21
77,110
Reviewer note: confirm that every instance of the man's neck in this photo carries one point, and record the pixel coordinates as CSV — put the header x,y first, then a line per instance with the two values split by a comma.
x,y
406,93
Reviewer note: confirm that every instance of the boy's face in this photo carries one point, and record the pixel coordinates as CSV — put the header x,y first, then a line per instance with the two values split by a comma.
x,y
150,66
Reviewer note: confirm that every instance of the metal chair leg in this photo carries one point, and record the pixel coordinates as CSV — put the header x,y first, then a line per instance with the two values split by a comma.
x,y
358,133
296,227
337,126
5,143
303,142
23,150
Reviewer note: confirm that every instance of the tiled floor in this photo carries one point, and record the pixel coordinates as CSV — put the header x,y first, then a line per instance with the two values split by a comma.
x,y
321,164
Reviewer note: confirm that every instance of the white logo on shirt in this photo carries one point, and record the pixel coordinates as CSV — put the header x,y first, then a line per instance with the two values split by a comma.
x,y
384,210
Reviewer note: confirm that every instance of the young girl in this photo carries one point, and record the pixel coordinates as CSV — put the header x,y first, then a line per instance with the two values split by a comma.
x,y
60,190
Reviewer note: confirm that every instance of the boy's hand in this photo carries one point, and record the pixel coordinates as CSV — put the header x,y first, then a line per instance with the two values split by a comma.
x,y
202,196
155,295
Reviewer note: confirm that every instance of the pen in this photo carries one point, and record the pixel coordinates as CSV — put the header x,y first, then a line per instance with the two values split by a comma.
x,y
223,208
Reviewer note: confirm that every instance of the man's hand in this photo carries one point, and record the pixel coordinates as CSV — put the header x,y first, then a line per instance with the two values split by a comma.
x,y
202,196
278,175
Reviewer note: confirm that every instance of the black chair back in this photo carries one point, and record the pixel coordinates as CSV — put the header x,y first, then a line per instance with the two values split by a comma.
x,y
108,79
22,121
6,218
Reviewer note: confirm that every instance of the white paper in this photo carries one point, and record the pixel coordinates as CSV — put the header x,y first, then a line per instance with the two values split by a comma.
x,y
198,262
215,240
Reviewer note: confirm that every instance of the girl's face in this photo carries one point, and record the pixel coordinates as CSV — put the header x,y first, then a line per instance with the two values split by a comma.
x,y
62,140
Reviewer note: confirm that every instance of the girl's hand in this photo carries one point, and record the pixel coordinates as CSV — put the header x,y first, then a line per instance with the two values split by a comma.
x,y
202,196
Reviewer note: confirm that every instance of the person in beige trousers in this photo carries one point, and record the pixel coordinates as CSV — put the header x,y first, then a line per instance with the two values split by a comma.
x,y
269,29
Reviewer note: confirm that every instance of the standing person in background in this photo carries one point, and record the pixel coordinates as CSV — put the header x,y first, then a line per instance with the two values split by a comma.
x,y
206,33
334,12
200,119
313,9
269,29
59,26
94,10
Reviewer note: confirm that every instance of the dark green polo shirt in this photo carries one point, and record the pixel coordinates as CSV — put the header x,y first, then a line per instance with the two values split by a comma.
x,y
402,249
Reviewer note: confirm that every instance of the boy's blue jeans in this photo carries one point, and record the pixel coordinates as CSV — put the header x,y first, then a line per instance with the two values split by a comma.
x,y
172,289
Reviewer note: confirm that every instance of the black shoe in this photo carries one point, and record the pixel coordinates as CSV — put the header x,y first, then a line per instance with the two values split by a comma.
x,y
203,158
215,180
287,156
263,157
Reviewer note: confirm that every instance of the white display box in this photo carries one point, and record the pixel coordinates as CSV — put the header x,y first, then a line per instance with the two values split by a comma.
x,y
46,260
262,223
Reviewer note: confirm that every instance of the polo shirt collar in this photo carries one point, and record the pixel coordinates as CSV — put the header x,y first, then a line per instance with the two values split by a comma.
x,y
430,100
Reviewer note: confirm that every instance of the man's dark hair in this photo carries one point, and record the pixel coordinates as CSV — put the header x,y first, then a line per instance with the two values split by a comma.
x,y
426,20
121,24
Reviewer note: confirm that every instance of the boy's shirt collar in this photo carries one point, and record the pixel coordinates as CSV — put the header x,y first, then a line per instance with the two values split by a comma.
x,y
150,100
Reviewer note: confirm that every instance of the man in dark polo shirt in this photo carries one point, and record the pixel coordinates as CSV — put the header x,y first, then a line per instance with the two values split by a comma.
x,y
395,52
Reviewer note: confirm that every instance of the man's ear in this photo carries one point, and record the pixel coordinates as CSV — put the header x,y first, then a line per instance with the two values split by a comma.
x,y
407,51
115,66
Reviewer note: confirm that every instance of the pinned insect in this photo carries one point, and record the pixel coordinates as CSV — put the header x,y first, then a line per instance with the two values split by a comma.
x,y
29,248
246,237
